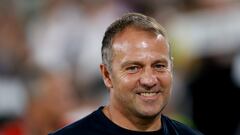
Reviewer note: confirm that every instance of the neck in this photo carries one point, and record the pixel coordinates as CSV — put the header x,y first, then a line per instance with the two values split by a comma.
x,y
130,122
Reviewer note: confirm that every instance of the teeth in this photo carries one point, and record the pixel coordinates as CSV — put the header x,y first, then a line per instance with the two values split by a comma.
x,y
148,94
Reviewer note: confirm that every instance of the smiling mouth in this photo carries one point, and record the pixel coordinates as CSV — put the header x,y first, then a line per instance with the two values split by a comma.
x,y
148,94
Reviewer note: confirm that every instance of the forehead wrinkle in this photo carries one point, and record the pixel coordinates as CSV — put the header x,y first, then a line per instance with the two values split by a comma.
x,y
151,56
121,44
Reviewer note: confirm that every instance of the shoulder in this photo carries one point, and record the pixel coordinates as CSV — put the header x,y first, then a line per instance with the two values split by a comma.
x,y
80,126
179,128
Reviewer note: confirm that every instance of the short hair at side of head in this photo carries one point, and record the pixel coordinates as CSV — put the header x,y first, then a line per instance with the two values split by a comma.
x,y
130,19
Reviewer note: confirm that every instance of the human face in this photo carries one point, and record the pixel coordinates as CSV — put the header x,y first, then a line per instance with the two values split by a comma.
x,y
141,76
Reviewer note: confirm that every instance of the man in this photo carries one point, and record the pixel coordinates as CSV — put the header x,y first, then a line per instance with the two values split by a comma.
x,y
137,70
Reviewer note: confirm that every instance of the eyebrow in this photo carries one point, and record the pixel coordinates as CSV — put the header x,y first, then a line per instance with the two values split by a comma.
x,y
162,60
124,64
135,62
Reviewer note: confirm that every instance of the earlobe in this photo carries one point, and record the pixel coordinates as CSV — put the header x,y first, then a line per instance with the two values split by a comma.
x,y
106,76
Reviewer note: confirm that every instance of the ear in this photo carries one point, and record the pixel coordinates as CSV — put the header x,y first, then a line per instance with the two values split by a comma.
x,y
106,76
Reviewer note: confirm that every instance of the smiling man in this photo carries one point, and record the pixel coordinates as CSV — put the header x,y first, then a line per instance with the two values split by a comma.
x,y
137,70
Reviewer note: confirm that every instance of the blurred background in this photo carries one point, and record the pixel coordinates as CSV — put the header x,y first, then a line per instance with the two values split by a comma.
x,y
50,54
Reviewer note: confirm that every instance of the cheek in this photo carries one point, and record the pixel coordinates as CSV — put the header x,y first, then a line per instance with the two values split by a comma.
x,y
123,89
128,81
166,80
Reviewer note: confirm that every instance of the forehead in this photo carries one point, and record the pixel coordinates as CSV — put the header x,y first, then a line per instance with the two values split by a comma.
x,y
132,33
136,38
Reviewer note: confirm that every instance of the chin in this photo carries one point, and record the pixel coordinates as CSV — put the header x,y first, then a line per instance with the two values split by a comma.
x,y
149,113
150,116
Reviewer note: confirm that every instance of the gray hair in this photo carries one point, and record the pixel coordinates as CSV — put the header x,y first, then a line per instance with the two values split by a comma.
x,y
130,19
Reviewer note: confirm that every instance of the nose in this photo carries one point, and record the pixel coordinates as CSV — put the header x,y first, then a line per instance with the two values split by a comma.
x,y
148,79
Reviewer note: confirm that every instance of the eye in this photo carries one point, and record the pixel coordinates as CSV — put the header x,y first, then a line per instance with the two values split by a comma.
x,y
160,66
133,69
